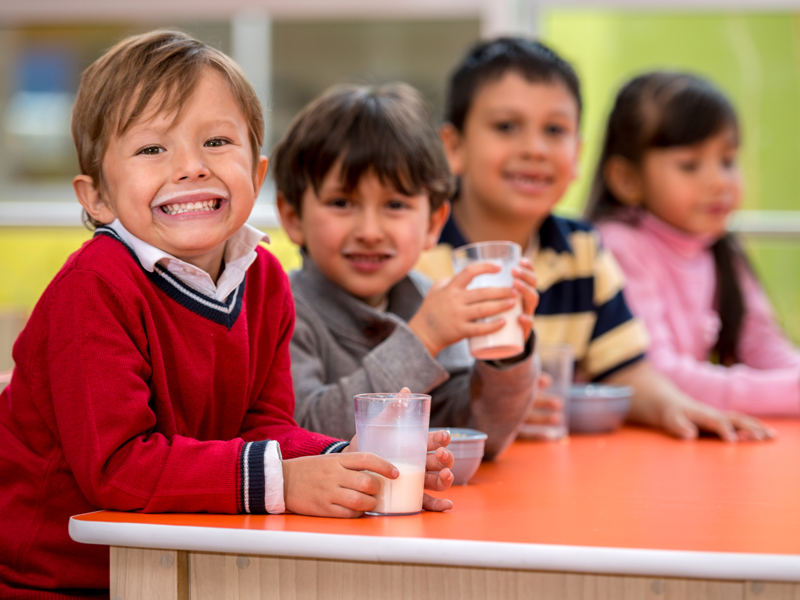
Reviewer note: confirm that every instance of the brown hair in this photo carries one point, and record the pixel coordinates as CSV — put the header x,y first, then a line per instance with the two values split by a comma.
x,y
489,60
662,110
389,130
163,65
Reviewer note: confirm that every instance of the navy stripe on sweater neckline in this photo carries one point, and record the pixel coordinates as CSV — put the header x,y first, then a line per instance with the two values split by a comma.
x,y
223,313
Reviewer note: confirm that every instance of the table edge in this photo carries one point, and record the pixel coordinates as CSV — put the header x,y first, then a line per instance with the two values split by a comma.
x,y
458,553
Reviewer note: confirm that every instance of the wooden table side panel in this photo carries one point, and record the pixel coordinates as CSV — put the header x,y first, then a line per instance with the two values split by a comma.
x,y
768,590
142,574
228,577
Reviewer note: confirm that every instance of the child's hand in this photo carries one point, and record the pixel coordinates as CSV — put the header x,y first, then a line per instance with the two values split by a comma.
x,y
334,485
438,476
659,403
525,284
450,311
683,419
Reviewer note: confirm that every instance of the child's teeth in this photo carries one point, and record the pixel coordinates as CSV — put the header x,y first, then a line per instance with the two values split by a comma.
x,y
176,209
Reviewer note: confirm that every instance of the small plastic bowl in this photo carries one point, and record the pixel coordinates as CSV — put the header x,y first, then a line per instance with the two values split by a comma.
x,y
598,408
467,448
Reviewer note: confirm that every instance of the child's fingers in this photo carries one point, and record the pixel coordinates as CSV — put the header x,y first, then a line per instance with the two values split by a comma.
x,y
438,439
548,401
480,295
525,274
464,277
475,329
366,461
749,428
442,458
526,322
677,423
714,421
353,501
337,511
490,308
530,297
436,504
544,382
438,481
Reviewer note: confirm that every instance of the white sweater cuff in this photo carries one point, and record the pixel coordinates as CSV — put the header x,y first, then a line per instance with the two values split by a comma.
x,y
273,479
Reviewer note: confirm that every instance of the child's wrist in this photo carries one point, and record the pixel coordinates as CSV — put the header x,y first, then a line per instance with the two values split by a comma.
x,y
423,336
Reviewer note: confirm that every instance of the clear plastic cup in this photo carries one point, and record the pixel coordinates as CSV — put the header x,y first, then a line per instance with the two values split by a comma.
x,y
509,340
558,361
395,427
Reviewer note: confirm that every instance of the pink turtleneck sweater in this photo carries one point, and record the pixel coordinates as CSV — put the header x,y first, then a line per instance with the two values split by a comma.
x,y
671,283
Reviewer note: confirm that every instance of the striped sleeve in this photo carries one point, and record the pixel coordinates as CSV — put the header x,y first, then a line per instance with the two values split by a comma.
x,y
618,338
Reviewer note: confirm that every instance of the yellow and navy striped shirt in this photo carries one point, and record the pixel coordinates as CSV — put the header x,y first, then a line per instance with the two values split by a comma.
x,y
580,295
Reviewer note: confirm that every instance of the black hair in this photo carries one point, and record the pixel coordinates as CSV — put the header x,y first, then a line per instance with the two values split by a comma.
x,y
663,110
389,130
488,61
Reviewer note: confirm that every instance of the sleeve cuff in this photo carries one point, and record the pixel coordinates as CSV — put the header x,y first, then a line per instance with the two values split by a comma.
x,y
261,478
335,448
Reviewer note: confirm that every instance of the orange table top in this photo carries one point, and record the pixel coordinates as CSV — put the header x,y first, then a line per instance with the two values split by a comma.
x,y
634,489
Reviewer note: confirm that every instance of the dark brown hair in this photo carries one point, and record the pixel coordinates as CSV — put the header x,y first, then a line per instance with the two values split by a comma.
x,y
388,130
489,60
162,66
664,110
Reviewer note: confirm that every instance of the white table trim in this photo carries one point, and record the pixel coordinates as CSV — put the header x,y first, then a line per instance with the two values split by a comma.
x,y
461,553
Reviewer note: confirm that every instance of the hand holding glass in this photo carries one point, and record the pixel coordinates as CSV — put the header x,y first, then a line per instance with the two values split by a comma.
x,y
510,339
395,427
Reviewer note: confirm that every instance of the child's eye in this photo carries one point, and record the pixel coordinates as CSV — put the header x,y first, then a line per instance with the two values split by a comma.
x,y
729,162
395,204
688,166
505,126
555,130
151,150
338,203
216,143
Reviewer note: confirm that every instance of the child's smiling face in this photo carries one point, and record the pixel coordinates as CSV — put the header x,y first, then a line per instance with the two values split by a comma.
x,y
694,188
518,151
184,185
365,240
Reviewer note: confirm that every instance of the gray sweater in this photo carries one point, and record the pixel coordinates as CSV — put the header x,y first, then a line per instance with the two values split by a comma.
x,y
342,347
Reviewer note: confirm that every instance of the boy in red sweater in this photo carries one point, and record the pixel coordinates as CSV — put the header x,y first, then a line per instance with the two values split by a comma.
x,y
154,372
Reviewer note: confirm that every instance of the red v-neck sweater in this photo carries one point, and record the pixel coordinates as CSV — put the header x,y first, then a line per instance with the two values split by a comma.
x,y
133,392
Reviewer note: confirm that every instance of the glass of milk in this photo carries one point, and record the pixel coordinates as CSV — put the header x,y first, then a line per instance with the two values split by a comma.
x,y
395,427
508,341
558,361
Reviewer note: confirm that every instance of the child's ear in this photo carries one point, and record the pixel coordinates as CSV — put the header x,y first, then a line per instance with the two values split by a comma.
x,y
436,223
261,173
92,200
291,220
453,147
623,180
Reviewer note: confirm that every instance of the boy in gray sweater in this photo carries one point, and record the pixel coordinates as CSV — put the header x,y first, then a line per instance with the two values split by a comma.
x,y
362,189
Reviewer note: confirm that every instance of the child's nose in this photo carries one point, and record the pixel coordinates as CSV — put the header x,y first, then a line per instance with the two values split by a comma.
x,y
533,145
369,227
189,166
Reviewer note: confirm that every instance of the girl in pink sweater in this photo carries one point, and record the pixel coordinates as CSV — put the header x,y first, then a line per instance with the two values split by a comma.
x,y
667,181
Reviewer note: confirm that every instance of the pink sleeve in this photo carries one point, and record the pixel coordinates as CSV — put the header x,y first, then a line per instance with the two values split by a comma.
x,y
743,387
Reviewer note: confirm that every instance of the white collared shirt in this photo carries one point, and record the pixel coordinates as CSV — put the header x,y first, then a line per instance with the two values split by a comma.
x,y
240,252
